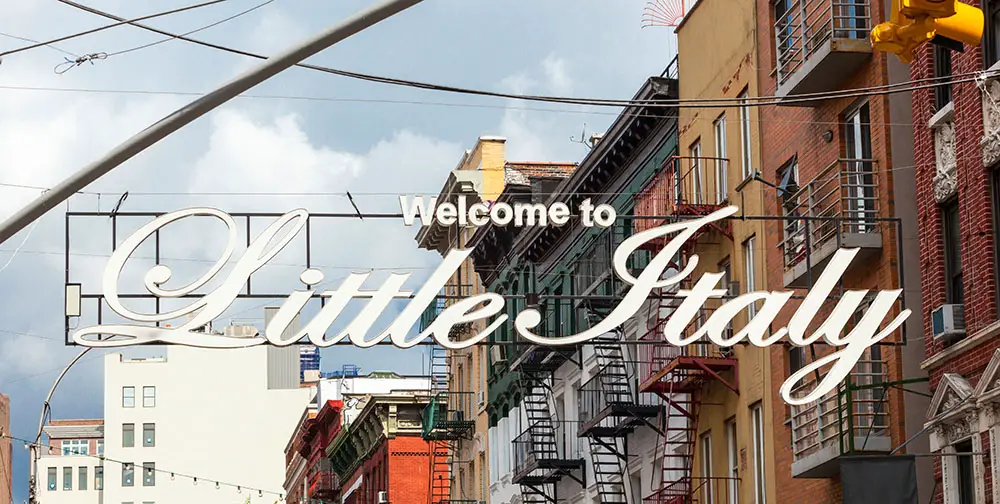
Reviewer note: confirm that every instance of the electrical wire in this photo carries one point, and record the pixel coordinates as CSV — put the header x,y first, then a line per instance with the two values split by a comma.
x,y
680,103
173,474
99,29
49,45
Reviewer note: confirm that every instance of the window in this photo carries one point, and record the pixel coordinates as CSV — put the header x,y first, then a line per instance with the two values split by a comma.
x,y
996,232
128,435
148,474
942,69
858,169
991,46
757,424
952,253
732,288
696,178
784,28
128,397
706,467
794,245
721,165
148,397
484,489
100,447
732,484
796,359
966,479
148,435
76,447
67,478
128,474
99,478
83,478
52,479
746,158
750,263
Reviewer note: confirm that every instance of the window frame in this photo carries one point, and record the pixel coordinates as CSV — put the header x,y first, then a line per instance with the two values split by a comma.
x,y
67,485
151,429
98,477
151,398
942,66
746,146
149,474
705,443
758,436
721,164
130,429
695,167
52,478
733,450
82,477
750,273
128,474
995,197
128,396
954,292
991,49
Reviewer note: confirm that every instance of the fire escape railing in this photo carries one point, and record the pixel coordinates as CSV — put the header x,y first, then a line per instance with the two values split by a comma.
x,y
323,481
806,25
449,415
845,197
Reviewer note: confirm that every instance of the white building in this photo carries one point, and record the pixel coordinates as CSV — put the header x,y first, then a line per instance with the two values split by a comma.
x,y
352,389
69,472
222,416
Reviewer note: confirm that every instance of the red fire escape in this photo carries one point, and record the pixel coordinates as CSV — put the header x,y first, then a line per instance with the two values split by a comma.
x,y
679,375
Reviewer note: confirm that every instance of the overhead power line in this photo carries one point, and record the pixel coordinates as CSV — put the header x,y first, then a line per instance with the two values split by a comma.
x,y
685,103
99,29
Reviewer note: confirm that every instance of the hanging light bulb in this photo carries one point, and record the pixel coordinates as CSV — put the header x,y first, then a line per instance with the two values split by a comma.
x,y
195,481
239,490
171,476
260,493
216,485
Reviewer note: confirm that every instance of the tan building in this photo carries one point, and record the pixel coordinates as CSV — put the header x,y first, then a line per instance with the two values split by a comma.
x,y
729,407
479,176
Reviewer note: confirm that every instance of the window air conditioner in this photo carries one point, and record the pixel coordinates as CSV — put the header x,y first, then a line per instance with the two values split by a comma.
x,y
383,497
948,322
496,354
481,398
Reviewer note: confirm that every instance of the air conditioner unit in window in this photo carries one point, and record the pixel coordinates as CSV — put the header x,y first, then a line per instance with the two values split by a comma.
x,y
496,354
481,398
948,322
383,497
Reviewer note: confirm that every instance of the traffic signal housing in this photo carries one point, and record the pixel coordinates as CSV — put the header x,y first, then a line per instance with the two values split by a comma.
x,y
916,22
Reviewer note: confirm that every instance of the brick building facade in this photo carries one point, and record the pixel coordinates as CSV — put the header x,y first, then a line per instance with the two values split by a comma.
x,y
832,167
6,452
956,128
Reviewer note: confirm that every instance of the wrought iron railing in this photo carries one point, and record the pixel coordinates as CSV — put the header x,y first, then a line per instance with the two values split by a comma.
x,y
683,181
323,481
699,489
807,24
448,409
594,397
843,198
654,357
534,446
858,408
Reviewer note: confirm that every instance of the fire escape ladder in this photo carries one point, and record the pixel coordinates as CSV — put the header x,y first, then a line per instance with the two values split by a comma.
x,y
608,453
608,464
442,456
677,450
440,369
542,434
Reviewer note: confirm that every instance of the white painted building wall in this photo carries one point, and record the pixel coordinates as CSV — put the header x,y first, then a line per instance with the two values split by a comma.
x,y
54,492
214,418
337,389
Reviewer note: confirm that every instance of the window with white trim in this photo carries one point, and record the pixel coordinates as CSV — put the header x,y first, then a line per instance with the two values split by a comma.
x,y
696,167
732,484
750,265
721,165
76,447
746,158
706,468
148,397
128,397
757,426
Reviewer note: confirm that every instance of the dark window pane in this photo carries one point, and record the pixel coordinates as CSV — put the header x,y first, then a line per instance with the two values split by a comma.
x,y
942,68
952,253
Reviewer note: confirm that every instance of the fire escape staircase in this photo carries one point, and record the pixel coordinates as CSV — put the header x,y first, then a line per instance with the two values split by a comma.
x,y
540,461
437,428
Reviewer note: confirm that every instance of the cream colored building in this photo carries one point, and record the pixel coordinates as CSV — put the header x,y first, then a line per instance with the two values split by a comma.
x,y
479,176
718,157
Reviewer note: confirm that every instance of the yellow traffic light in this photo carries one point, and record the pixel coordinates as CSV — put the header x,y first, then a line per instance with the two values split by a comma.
x,y
916,22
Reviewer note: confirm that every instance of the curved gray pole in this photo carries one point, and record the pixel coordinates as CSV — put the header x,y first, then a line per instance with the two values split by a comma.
x,y
188,113
33,465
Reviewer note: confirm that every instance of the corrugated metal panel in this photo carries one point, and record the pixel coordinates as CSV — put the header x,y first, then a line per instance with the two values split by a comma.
x,y
282,363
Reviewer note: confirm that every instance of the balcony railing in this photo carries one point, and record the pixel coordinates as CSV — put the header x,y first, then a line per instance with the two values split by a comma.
x,y
449,415
820,39
654,358
541,449
838,208
699,489
686,185
852,419
323,481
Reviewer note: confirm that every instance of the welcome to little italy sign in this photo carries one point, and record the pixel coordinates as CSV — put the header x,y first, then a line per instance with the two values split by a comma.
x,y
850,346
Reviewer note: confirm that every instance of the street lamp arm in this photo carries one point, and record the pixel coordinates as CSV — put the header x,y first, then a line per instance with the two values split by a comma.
x,y
199,107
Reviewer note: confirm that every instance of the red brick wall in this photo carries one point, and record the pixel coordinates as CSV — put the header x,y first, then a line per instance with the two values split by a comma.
x,y
798,131
6,452
409,470
975,223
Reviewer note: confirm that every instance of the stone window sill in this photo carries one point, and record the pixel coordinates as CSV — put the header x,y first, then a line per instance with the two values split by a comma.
x,y
942,116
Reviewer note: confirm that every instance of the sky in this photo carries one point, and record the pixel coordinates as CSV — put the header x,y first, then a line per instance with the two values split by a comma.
x,y
374,140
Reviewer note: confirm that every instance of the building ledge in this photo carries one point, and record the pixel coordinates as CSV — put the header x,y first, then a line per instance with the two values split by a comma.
x,y
984,334
825,462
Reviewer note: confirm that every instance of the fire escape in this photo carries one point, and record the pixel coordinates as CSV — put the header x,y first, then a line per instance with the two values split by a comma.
x,y
540,458
610,409
448,418
679,375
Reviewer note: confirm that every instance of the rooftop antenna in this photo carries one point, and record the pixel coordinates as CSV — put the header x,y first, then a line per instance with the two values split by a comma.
x,y
663,13
584,141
